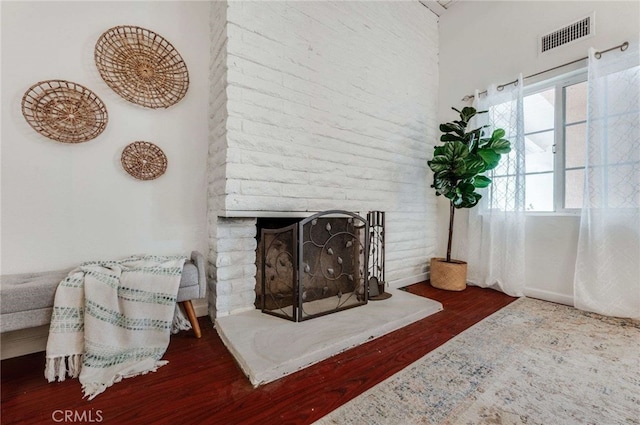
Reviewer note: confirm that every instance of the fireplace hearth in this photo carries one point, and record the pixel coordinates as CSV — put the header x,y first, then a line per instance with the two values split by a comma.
x,y
313,267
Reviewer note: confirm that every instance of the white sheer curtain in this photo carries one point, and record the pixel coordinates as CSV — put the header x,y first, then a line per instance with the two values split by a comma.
x,y
607,275
495,241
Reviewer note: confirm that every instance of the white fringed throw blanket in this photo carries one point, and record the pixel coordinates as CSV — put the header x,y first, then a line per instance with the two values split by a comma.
x,y
112,320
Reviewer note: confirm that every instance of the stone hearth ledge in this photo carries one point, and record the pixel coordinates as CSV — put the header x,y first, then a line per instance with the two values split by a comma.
x,y
268,348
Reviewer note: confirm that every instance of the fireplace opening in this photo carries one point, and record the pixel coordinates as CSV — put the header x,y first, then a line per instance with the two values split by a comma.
x,y
311,267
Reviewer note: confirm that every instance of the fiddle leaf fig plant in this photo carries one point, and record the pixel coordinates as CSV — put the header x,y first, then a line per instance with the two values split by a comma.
x,y
459,164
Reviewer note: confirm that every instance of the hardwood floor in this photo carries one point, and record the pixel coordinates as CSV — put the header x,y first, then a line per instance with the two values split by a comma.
x,y
203,385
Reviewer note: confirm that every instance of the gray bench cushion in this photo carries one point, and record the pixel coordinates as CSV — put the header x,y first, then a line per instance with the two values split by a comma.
x,y
189,288
31,318
26,299
29,291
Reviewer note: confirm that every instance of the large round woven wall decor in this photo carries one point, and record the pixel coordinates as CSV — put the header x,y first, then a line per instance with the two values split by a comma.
x,y
64,111
141,66
144,160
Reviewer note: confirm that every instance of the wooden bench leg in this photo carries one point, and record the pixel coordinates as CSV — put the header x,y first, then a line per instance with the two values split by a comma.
x,y
191,315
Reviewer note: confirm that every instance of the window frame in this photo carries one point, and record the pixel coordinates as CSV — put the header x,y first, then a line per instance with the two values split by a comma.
x,y
559,84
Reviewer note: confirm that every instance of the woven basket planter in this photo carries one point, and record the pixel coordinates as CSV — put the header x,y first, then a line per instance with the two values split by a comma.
x,y
450,276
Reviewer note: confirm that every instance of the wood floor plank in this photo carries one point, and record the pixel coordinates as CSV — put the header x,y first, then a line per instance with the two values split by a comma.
x,y
203,385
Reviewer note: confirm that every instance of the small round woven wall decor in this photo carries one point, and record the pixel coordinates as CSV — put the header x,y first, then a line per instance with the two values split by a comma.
x,y
64,111
141,66
144,160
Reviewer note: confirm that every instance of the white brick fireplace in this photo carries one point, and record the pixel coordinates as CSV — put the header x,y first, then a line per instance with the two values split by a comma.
x,y
317,106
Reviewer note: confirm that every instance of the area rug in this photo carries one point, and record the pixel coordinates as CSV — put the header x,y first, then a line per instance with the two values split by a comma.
x,y
533,362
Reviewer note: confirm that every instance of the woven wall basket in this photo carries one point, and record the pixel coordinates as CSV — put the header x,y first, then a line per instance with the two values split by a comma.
x,y
141,66
64,111
144,160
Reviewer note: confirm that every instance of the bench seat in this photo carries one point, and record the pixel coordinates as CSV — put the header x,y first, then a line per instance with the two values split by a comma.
x,y
26,299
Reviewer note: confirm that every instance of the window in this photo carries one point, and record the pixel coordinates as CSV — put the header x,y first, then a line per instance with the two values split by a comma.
x,y
555,114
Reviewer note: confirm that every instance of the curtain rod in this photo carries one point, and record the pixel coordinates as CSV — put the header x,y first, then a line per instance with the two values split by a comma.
x,y
597,55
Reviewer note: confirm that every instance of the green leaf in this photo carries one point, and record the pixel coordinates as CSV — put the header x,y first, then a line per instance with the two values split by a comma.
x,y
458,167
438,150
475,164
452,196
443,174
481,181
483,142
468,200
490,157
462,124
457,150
436,168
498,133
467,113
465,188
448,137
442,186
451,127
439,163
442,158
471,199
500,146
471,139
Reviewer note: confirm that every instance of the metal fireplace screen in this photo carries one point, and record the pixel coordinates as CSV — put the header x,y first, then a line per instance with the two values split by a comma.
x,y
315,267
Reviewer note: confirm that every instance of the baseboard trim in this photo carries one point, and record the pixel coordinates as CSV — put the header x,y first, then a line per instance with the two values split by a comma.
x,y
33,340
201,306
23,341
399,283
554,297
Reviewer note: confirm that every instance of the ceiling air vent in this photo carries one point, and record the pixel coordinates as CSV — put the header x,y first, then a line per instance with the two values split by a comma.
x,y
577,30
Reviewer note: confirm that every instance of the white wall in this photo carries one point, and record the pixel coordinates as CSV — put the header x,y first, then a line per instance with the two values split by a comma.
x,y
491,42
330,105
62,203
